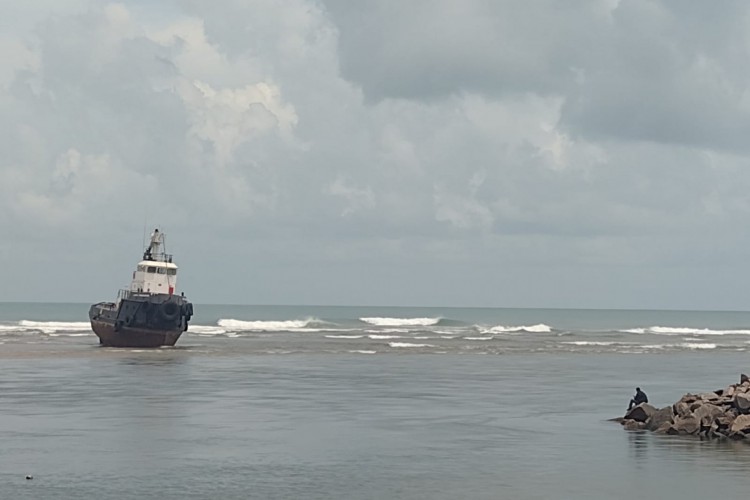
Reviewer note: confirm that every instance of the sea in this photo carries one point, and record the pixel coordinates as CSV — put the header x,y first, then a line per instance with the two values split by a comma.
x,y
314,402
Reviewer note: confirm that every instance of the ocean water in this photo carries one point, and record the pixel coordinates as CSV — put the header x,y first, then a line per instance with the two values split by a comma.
x,y
371,403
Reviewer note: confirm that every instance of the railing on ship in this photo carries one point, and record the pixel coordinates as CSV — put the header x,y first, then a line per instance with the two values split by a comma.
x,y
124,293
158,257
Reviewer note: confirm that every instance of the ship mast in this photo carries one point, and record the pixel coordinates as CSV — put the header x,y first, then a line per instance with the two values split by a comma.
x,y
153,252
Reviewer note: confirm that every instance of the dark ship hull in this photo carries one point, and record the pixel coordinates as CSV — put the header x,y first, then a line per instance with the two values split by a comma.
x,y
141,319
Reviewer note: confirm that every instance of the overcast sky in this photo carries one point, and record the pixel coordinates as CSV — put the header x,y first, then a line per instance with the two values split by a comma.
x,y
550,153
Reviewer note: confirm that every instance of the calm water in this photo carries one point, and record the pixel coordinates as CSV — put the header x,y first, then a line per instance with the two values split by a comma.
x,y
306,402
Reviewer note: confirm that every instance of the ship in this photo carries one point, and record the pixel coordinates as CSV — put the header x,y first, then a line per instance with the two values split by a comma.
x,y
148,313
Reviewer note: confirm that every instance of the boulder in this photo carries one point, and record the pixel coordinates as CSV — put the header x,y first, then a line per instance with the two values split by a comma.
x,y
681,409
659,418
741,425
686,425
688,398
742,402
724,401
663,428
721,414
708,396
724,422
640,413
633,425
707,413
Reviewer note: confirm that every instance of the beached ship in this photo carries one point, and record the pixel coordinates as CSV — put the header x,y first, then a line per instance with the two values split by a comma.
x,y
148,313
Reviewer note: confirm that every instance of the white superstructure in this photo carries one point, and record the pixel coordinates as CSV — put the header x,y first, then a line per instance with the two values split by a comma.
x,y
156,273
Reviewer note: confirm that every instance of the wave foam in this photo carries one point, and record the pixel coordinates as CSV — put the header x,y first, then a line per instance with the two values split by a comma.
x,y
206,330
693,345
401,321
407,344
679,330
47,327
587,342
267,326
539,328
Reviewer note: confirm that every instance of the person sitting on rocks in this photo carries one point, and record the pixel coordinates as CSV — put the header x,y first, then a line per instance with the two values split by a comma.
x,y
640,397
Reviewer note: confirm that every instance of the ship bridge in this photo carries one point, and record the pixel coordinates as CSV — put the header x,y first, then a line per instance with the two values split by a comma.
x,y
156,273
154,277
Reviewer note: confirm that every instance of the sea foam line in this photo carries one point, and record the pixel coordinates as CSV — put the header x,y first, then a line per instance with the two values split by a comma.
x,y
206,330
408,344
377,321
539,328
268,325
28,326
677,330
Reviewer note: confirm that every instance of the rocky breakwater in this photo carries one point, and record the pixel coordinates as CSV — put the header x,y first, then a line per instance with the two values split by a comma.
x,y
722,414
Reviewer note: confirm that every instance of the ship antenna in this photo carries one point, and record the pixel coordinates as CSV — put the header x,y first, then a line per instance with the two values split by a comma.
x,y
143,240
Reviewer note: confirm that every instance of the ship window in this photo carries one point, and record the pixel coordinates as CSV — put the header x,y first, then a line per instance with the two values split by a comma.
x,y
142,268
161,270
171,272
151,269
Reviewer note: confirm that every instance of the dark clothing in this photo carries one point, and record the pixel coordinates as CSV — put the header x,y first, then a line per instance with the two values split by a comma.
x,y
640,397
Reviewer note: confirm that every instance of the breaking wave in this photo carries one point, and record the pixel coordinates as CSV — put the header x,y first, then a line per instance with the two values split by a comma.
x,y
590,342
693,345
408,344
206,330
401,321
269,326
672,330
28,326
540,328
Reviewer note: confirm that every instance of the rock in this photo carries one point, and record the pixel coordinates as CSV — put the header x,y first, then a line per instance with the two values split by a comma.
x,y
633,425
681,409
686,425
640,413
721,414
659,418
708,396
723,422
664,428
724,401
742,402
688,398
741,424
707,413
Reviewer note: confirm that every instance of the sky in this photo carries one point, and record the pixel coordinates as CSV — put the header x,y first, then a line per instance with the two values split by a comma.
x,y
584,154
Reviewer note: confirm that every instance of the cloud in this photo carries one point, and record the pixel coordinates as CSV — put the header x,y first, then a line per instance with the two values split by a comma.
x,y
495,144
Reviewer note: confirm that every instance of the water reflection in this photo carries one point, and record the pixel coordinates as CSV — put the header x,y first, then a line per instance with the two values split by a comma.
x,y
727,455
638,441
149,359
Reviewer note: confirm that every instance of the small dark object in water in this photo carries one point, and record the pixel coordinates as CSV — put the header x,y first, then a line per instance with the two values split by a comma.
x,y
29,477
